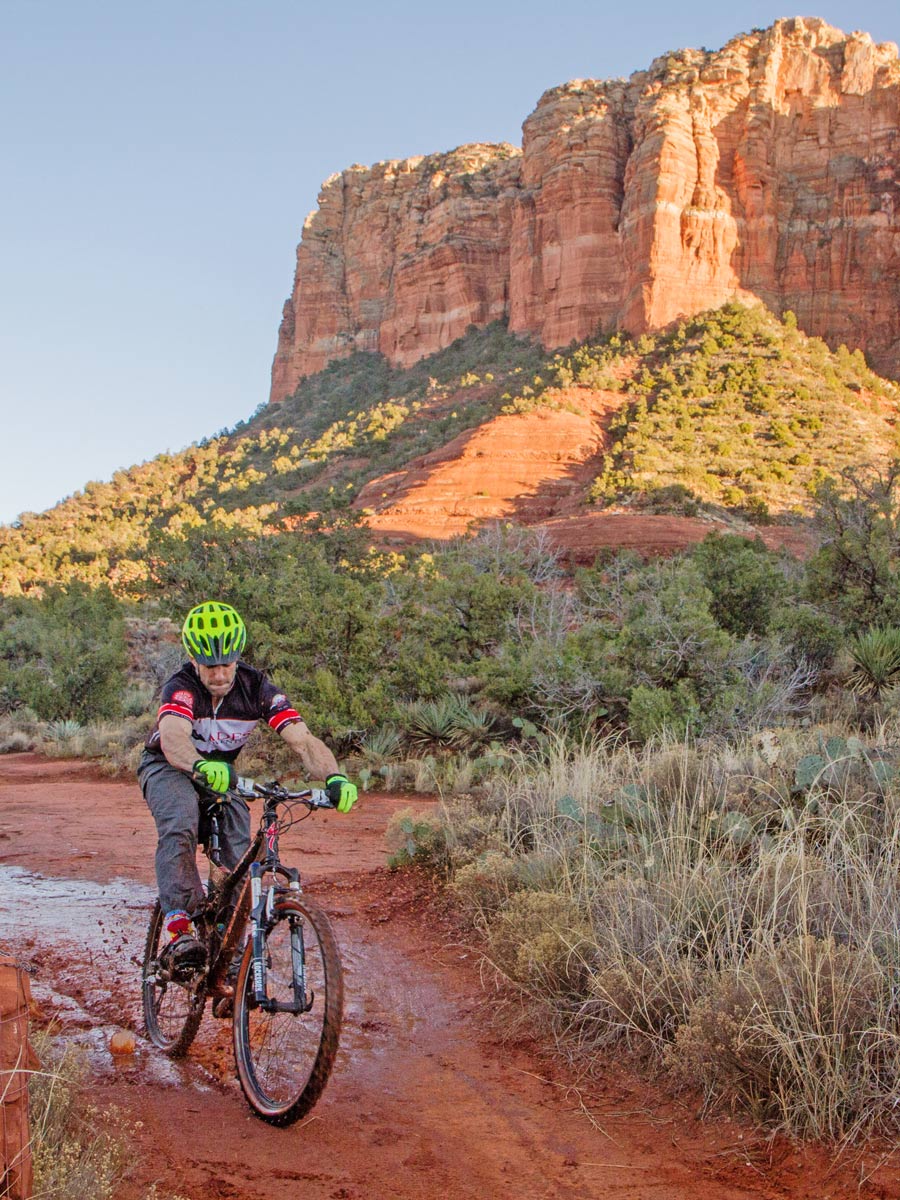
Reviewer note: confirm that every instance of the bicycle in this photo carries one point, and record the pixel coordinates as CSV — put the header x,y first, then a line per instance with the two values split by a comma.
x,y
288,995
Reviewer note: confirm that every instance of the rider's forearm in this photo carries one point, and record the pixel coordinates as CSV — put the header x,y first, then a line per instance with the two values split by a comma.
x,y
176,742
317,759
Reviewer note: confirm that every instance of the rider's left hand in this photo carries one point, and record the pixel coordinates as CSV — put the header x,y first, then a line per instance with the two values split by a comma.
x,y
341,792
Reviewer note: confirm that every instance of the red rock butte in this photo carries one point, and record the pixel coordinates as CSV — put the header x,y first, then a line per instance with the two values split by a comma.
x,y
767,170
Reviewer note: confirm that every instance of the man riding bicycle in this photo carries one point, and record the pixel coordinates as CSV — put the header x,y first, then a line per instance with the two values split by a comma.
x,y
208,709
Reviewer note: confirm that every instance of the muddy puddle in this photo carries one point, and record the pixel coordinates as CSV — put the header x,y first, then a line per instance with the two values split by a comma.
x,y
86,942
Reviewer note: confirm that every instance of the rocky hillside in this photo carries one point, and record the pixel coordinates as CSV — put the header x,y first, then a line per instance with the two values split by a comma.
x,y
767,169
728,420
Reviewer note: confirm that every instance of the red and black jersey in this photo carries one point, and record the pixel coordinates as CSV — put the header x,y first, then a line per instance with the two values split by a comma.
x,y
220,728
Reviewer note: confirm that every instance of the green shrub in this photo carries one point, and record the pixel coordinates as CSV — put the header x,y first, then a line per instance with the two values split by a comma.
x,y
63,655
653,711
746,580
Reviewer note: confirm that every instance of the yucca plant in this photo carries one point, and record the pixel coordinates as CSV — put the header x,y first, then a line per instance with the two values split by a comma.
x,y
61,731
474,725
876,662
448,723
382,743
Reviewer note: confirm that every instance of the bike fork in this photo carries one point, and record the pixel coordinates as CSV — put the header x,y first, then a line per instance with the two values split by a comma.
x,y
262,906
303,1001
258,906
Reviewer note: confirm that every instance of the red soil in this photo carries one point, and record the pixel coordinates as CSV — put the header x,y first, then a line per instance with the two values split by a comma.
x,y
426,1100
534,468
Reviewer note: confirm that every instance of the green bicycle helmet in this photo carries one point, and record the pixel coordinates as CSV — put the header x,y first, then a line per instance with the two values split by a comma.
x,y
214,633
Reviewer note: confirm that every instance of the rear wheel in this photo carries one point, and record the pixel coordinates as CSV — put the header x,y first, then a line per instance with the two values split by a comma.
x,y
285,1048
173,1010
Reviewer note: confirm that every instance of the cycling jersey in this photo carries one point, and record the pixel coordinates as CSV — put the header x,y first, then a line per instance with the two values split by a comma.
x,y
219,728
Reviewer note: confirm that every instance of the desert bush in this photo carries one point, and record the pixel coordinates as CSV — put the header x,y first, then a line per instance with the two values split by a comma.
x,y
538,941
63,655
485,884
731,910
79,1151
14,741
747,582
857,567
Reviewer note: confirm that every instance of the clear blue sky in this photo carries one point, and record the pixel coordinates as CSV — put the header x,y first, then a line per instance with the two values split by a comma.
x,y
160,159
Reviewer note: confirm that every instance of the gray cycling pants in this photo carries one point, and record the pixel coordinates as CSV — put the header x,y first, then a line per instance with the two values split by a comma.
x,y
174,802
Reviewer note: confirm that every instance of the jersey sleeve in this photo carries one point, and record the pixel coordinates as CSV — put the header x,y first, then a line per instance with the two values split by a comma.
x,y
176,699
275,707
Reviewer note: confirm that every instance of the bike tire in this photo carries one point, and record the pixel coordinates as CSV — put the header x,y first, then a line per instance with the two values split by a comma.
x,y
172,1011
284,1059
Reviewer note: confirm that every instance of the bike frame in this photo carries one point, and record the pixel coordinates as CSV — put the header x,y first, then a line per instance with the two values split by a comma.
x,y
254,902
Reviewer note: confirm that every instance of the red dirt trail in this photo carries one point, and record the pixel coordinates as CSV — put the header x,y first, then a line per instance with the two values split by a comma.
x,y
426,1101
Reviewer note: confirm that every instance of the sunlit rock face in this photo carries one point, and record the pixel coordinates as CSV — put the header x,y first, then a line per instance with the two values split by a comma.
x,y
769,169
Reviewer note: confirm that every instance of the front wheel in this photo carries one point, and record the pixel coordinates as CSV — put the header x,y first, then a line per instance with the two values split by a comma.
x,y
172,1010
285,1046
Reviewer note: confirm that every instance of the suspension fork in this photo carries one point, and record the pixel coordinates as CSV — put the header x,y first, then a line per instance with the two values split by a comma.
x,y
262,904
262,908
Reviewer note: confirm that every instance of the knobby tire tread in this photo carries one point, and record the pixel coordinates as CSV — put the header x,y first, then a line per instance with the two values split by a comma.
x,y
331,1030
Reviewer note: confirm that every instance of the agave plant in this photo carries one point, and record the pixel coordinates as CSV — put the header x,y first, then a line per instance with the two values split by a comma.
x,y
474,725
876,662
448,723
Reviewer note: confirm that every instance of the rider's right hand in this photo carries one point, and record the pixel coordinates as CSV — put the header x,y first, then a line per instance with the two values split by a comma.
x,y
218,776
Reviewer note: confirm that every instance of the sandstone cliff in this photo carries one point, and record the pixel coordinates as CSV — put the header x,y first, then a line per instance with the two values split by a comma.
x,y
769,169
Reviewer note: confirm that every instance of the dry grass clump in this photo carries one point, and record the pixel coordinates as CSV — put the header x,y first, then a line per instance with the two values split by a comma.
x,y
732,911
19,731
797,1035
79,1151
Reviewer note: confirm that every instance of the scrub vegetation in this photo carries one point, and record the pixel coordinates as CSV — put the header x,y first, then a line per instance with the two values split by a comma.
x,y
671,785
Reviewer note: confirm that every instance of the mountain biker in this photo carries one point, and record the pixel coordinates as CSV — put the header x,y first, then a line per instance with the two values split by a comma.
x,y
207,711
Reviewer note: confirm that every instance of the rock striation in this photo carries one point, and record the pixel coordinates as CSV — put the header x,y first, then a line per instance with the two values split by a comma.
x,y
768,170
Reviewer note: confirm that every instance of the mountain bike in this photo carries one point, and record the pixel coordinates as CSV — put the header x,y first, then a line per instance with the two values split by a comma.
x,y
286,1002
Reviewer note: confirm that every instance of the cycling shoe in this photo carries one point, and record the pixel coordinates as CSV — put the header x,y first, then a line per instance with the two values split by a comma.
x,y
184,956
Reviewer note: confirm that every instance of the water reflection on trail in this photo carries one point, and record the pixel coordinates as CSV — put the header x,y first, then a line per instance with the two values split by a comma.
x,y
83,943
70,909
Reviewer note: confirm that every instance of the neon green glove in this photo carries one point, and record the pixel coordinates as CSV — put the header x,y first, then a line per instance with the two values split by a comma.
x,y
341,792
218,776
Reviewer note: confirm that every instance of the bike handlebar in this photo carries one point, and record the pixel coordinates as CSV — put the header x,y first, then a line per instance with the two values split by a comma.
x,y
249,789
